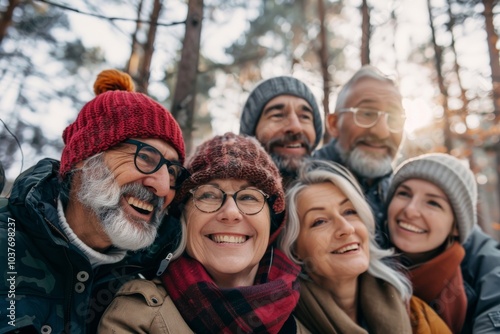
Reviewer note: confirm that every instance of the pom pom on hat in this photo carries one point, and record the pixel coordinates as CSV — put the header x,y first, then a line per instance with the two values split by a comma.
x,y
269,89
109,80
451,175
232,156
115,114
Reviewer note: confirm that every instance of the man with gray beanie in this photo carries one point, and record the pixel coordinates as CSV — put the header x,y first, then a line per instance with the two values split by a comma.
x,y
283,115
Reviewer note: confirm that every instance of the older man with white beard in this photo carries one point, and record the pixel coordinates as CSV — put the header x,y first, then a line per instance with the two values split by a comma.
x,y
367,127
68,226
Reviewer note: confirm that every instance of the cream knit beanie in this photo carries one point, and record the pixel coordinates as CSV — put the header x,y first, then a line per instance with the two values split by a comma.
x,y
452,176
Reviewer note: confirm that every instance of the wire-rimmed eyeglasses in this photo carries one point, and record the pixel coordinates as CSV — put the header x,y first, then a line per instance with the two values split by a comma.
x,y
148,160
208,198
366,118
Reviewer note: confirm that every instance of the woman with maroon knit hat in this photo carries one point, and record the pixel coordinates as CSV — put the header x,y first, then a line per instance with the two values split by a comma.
x,y
69,225
227,276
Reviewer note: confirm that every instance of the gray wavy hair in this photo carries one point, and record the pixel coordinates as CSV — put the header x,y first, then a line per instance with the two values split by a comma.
x,y
381,264
367,71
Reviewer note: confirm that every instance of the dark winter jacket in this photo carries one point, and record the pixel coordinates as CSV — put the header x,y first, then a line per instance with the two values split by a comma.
x,y
481,275
48,284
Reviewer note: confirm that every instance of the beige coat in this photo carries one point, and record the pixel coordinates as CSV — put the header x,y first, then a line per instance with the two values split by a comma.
x,y
143,306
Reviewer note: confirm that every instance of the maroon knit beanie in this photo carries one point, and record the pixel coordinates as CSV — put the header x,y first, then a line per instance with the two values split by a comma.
x,y
115,114
238,157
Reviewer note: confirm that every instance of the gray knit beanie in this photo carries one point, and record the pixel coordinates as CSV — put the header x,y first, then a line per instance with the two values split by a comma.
x,y
269,89
454,178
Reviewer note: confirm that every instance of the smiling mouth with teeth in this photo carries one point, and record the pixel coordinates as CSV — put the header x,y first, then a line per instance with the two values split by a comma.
x,y
228,239
298,145
348,248
410,227
140,206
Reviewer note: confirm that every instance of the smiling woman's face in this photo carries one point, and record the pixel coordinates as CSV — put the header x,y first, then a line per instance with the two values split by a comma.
x,y
333,241
420,217
228,243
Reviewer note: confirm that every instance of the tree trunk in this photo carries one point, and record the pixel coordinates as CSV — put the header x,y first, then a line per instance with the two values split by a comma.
x,y
495,73
185,88
442,88
456,65
366,32
323,57
6,18
394,20
143,79
134,60
493,52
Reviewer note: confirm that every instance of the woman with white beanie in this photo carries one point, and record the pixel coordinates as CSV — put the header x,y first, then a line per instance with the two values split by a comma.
x,y
431,212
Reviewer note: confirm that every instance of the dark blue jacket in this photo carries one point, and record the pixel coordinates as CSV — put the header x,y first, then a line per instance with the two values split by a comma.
x,y
481,275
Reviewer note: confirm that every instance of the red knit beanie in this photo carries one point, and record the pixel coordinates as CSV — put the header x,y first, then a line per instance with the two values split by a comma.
x,y
237,157
115,114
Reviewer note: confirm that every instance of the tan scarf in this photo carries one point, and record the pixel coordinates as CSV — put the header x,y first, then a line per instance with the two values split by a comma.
x,y
439,283
380,303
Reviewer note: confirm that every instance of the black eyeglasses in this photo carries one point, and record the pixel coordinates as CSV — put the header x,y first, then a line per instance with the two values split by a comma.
x,y
208,199
366,118
148,160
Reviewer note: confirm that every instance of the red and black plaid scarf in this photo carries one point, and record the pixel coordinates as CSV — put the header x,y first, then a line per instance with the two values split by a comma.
x,y
261,308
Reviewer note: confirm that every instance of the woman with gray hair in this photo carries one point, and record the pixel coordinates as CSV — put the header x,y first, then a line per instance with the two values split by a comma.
x,y
347,285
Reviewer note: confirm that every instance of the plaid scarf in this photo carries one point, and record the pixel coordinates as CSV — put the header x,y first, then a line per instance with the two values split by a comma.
x,y
261,308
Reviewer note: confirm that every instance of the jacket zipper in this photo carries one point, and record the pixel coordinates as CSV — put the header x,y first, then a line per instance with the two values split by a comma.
x,y
67,302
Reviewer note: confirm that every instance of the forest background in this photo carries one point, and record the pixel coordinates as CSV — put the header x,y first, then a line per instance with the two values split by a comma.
x,y
201,58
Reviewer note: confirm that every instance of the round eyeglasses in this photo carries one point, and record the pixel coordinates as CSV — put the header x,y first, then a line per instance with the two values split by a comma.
x,y
148,160
208,199
366,118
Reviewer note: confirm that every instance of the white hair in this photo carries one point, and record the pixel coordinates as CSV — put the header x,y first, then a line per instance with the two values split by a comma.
x,y
316,172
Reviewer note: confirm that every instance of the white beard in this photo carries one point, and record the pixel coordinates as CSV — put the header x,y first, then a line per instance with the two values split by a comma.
x,y
366,164
101,194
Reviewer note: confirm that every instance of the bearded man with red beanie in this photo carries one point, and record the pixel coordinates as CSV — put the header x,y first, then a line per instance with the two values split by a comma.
x,y
74,231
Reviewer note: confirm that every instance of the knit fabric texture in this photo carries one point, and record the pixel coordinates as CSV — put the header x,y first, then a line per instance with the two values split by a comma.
x,y
232,156
452,176
269,89
113,116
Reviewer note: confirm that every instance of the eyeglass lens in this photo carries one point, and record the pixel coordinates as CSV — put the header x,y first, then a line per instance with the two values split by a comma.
x,y
368,118
148,159
208,198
